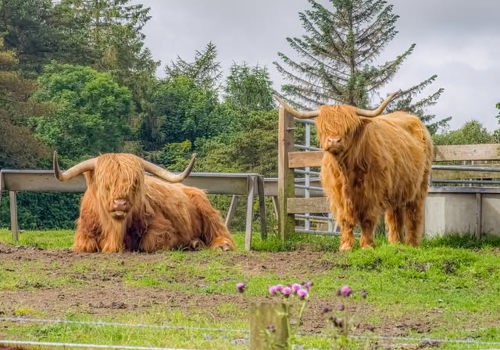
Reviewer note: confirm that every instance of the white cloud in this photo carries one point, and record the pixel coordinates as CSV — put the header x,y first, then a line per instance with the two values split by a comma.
x,y
457,40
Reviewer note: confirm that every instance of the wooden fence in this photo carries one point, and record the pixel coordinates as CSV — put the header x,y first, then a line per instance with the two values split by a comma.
x,y
237,185
288,159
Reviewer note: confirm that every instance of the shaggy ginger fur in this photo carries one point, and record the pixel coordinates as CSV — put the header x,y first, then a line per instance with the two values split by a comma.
x,y
371,166
125,209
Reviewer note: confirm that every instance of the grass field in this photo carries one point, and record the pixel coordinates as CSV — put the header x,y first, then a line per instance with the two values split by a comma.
x,y
447,290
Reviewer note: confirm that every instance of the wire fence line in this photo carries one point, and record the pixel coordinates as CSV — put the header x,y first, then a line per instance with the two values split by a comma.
x,y
116,324
470,342
87,346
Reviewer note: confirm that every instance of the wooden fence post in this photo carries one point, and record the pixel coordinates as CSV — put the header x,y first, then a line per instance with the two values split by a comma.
x,y
269,327
13,216
286,189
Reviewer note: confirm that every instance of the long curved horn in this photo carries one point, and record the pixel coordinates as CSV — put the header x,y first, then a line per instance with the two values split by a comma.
x,y
297,114
76,170
379,109
167,175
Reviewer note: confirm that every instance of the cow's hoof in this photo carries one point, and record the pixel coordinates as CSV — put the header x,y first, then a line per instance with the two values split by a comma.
x,y
345,246
225,247
197,245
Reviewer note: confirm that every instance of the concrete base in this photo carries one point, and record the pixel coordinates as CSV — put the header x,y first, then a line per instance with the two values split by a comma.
x,y
462,210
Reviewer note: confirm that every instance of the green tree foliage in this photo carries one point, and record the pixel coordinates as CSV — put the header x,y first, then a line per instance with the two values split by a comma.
x,y
248,88
42,211
18,147
338,56
472,132
185,103
27,30
114,32
92,114
249,143
205,70
496,134
181,110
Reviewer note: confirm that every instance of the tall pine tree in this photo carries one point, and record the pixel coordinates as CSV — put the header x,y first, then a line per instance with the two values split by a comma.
x,y
338,56
205,70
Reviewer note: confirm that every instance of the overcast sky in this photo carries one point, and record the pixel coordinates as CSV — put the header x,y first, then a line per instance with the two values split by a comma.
x,y
459,40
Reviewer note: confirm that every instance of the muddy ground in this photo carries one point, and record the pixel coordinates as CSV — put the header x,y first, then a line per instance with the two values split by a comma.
x,y
107,295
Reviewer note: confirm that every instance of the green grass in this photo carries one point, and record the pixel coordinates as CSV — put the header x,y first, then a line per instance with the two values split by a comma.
x,y
452,283
53,239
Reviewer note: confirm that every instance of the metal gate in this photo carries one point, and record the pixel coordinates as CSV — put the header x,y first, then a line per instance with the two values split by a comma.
x,y
307,180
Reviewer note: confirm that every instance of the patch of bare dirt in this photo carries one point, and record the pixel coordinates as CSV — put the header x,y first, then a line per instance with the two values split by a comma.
x,y
107,295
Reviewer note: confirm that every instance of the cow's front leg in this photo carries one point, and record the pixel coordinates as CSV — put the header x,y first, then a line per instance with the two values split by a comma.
x,y
112,236
85,240
347,223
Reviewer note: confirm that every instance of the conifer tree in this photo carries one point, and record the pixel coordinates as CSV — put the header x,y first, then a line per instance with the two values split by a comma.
x,y
338,59
205,70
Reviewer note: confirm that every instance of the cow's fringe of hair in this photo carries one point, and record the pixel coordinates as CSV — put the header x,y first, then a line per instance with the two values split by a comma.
x,y
329,124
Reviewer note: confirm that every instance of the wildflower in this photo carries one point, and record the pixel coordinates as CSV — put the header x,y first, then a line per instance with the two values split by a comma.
x,y
308,284
241,287
302,293
345,291
273,290
295,287
279,288
286,291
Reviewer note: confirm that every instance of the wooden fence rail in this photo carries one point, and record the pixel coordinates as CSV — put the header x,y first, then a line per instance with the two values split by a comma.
x,y
237,185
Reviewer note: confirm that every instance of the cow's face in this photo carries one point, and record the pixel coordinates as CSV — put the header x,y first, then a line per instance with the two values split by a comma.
x,y
335,144
335,124
120,184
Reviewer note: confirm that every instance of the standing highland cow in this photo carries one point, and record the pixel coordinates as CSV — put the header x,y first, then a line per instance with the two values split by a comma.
x,y
373,164
123,208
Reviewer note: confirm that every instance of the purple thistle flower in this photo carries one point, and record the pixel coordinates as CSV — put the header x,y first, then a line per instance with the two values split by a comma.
x,y
308,284
279,288
273,290
302,293
295,287
345,291
241,287
286,291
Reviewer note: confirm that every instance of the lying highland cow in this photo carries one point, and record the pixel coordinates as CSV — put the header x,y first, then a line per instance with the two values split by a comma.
x,y
372,164
124,209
